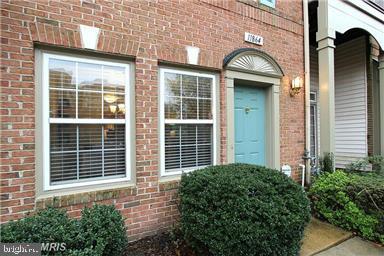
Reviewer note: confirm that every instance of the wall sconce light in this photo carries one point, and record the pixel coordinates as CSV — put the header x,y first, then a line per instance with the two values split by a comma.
x,y
297,84
110,98
113,109
121,108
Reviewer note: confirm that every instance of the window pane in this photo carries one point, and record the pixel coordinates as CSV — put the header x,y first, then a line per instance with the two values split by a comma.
x,y
188,156
62,74
89,105
204,155
63,166
205,109
188,134
89,76
114,162
172,135
114,106
62,104
188,146
172,158
114,136
114,79
90,137
63,156
63,137
205,87
172,107
189,85
204,132
172,84
189,108
90,164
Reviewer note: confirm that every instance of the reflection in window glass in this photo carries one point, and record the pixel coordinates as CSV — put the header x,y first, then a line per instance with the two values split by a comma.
x,y
114,79
89,105
62,103
62,74
90,76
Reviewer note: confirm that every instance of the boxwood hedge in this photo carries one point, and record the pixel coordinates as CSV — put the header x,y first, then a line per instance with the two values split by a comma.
x,y
242,209
99,232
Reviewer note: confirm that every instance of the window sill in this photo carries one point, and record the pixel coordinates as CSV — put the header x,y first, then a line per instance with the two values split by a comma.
x,y
84,196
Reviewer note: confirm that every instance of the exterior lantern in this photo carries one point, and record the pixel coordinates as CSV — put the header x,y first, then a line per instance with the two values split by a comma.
x,y
296,85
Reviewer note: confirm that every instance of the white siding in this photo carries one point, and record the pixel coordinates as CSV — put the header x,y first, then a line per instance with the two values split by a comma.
x,y
350,102
314,69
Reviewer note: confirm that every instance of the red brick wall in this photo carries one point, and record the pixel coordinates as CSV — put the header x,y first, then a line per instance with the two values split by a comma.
x,y
150,31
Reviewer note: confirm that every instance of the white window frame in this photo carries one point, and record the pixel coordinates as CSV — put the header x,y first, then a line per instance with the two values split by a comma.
x,y
47,186
163,121
313,103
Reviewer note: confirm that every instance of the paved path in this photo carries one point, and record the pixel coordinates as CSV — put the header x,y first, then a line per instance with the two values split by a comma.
x,y
354,247
319,236
324,239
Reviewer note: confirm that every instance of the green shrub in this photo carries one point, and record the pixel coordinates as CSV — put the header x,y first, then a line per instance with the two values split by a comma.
x,y
241,209
327,163
376,163
103,230
367,190
100,231
334,196
47,226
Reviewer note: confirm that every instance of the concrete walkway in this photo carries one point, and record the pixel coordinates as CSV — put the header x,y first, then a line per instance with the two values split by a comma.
x,y
354,247
319,236
324,239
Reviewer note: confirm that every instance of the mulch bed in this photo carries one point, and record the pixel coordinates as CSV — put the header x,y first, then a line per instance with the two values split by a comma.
x,y
159,245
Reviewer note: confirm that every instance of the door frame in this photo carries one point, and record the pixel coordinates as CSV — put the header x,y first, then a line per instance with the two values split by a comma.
x,y
272,113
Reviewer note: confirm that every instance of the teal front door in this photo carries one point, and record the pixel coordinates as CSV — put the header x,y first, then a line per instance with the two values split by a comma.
x,y
249,125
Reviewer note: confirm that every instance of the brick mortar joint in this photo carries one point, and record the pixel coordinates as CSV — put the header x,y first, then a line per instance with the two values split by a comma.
x,y
260,20
267,9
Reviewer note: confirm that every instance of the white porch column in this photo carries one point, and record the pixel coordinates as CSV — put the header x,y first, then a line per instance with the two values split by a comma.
x,y
325,39
381,89
327,95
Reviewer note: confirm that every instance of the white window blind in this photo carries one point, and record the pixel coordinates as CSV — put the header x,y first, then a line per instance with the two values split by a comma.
x,y
188,112
87,119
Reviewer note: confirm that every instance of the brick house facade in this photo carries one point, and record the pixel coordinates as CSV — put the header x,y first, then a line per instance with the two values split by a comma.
x,y
148,35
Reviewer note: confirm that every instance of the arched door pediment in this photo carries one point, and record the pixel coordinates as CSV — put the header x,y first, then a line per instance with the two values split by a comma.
x,y
252,61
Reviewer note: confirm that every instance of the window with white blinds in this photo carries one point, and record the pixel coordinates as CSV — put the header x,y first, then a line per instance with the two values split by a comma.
x,y
187,116
87,113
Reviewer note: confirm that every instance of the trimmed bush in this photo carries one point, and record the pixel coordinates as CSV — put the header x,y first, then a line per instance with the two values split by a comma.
x,y
103,230
347,200
242,209
100,231
47,226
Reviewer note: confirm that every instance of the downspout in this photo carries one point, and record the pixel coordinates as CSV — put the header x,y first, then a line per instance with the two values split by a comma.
x,y
307,87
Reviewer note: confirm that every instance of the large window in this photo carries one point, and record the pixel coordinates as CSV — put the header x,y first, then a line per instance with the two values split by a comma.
x,y
187,121
85,109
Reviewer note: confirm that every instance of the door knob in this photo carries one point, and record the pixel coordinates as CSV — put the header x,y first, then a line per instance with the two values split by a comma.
x,y
247,109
